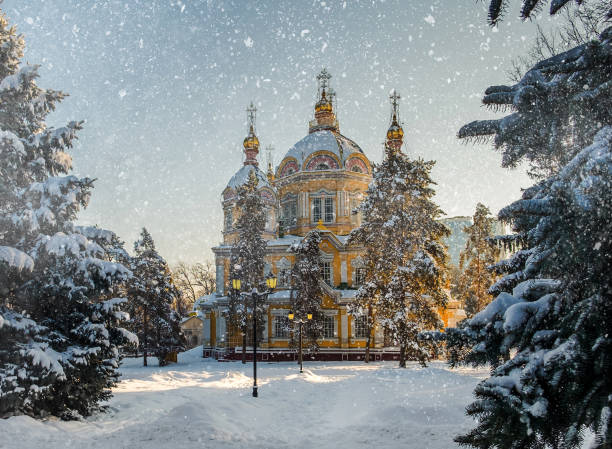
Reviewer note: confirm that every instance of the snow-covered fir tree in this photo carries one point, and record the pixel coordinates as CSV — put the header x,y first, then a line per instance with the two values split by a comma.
x,y
60,332
406,259
247,262
306,291
151,295
479,254
497,8
548,332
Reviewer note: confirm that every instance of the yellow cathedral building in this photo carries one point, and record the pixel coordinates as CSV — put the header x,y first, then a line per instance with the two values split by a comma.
x,y
318,184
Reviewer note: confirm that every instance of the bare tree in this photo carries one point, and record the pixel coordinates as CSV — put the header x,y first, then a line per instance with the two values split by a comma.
x,y
192,281
580,25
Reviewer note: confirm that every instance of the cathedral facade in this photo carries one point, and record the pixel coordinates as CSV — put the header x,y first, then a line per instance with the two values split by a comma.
x,y
318,184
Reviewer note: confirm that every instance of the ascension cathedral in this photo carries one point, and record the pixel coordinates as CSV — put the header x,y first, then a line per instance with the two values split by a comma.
x,y
318,183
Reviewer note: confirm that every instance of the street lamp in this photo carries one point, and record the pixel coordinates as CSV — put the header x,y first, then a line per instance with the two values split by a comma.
x,y
271,284
301,322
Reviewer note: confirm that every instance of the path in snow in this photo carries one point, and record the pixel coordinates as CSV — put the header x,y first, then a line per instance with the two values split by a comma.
x,y
199,403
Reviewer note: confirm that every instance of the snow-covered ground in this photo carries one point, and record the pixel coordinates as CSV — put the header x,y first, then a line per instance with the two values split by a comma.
x,y
199,403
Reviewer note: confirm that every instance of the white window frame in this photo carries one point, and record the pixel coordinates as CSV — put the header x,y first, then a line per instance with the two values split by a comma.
x,y
320,198
289,210
328,200
327,320
317,202
360,274
280,332
357,320
330,280
283,272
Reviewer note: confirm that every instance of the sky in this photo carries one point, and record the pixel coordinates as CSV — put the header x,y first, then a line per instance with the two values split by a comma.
x,y
163,86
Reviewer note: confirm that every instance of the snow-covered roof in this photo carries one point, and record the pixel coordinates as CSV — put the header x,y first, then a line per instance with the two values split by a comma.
x,y
324,140
242,176
347,294
206,299
286,240
187,318
342,238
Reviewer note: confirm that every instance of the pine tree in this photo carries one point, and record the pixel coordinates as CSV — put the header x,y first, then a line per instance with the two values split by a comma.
x,y
152,293
247,262
306,290
548,332
60,333
406,259
479,254
497,8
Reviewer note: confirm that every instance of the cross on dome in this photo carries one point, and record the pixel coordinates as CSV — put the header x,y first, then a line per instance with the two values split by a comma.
x,y
251,116
395,97
270,174
323,79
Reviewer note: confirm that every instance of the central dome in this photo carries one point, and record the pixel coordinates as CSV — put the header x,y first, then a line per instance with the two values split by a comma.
x,y
322,150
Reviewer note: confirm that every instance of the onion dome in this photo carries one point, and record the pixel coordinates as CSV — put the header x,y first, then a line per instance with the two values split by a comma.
x,y
251,166
251,142
395,133
323,104
324,108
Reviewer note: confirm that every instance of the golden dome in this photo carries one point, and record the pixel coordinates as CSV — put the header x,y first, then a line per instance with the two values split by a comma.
x,y
323,104
395,131
251,141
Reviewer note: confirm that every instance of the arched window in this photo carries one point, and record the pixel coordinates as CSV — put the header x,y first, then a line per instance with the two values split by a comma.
x,y
356,169
322,167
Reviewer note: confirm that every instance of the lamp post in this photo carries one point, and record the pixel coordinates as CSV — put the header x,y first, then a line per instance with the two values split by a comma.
x,y
300,322
255,294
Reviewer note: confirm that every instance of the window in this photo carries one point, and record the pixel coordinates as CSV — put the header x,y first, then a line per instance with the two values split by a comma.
x,y
281,327
356,169
327,273
289,212
316,210
361,328
329,327
359,276
329,210
284,277
228,220
323,209
322,167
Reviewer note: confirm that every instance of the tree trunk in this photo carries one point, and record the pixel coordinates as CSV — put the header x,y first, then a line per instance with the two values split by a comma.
x,y
145,337
300,357
402,360
244,342
369,338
